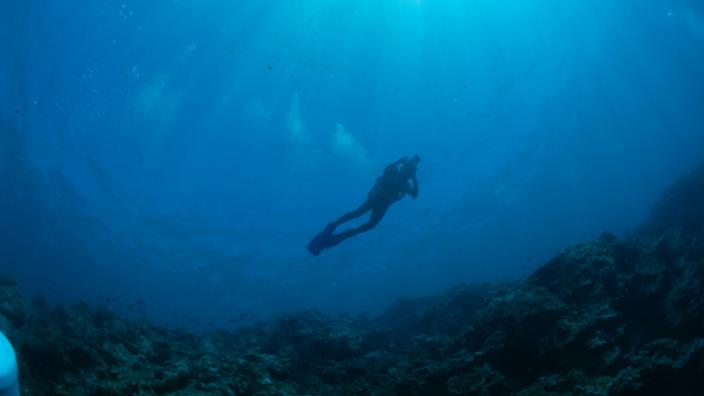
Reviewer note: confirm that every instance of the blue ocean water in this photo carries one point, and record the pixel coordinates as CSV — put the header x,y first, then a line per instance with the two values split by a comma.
x,y
173,158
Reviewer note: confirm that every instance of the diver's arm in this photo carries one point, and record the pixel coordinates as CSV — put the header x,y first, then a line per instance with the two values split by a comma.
x,y
414,189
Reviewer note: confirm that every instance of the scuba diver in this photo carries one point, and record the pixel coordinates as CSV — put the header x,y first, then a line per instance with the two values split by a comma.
x,y
399,179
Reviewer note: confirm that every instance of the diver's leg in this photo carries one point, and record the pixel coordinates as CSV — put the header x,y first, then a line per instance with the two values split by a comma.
x,y
364,208
378,213
326,238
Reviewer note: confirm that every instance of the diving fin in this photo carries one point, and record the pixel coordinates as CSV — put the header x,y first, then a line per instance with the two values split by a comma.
x,y
321,241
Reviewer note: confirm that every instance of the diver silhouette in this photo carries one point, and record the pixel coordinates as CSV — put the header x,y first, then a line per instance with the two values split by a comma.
x,y
399,179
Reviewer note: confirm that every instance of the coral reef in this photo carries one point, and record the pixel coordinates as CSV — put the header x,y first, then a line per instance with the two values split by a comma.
x,y
609,317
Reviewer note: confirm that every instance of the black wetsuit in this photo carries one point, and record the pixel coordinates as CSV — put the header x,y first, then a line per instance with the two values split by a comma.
x,y
389,188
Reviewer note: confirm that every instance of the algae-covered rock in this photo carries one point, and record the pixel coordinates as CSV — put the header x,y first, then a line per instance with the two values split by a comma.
x,y
12,305
608,317
477,381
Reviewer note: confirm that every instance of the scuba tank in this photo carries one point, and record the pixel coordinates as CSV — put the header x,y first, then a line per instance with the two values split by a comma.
x,y
9,385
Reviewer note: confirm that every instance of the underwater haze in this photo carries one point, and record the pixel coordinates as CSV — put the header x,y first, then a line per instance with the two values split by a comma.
x,y
173,158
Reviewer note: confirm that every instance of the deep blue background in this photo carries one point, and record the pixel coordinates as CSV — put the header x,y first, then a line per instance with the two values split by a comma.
x,y
174,157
